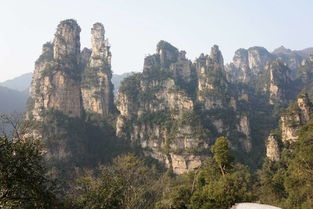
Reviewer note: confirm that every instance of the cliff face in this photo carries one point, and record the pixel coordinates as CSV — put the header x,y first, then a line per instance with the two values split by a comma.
x,y
272,148
58,82
259,69
279,81
293,58
173,109
67,85
96,88
247,64
294,117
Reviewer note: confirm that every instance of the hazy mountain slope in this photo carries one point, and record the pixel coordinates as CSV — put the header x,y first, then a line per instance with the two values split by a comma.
x,y
117,79
12,100
20,83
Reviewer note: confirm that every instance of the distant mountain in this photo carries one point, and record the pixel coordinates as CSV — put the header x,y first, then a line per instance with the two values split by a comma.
x,y
304,53
20,83
12,100
117,79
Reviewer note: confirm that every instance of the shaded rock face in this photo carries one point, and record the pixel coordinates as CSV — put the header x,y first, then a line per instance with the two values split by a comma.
x,y
244,127
247,64
292,58
305,72
278,82
97,88
161,108
261,70
272,73
57,82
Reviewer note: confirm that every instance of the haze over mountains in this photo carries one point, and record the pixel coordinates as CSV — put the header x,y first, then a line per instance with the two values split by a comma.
x,y
14,92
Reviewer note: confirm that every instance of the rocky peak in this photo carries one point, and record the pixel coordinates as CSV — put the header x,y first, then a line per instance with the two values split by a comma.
x,y
97,88
258,58
210,70
216,57
240,58
71,81
282,50
66,42
248,64
55,84
214,61
100,46
168,53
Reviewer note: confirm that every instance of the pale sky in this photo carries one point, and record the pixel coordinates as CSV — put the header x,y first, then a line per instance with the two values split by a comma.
x,y
134,27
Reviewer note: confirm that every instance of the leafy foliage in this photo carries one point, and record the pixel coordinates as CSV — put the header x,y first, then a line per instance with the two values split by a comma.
x,y
209,187
127,184
23,183
288,183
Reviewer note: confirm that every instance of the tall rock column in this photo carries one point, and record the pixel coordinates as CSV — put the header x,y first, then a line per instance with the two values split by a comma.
x,y
97,88
56,79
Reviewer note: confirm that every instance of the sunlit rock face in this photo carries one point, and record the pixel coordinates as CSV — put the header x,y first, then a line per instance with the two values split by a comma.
x,y
160,108
68,87
296,116
96,85
73,81
272,148
56,79
291,121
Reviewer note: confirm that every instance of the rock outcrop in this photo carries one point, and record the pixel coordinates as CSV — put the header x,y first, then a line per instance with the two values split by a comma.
x,y
272,148
70,81
261,70
56,80
292,58
247,64
294,117
279,81
67,85
97,88
173,110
